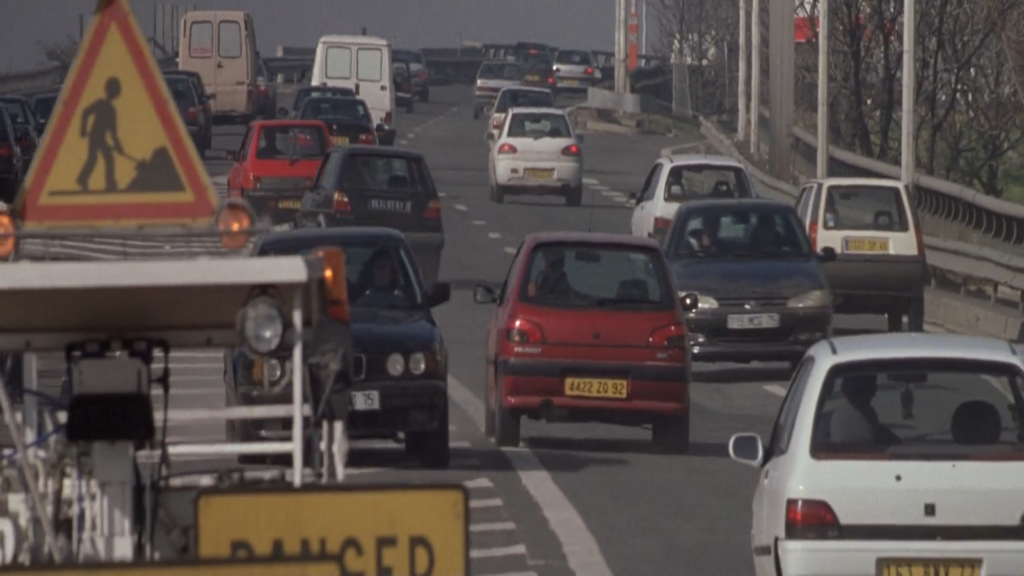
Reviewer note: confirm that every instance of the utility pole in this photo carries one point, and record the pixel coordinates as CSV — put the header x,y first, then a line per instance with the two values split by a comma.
x,y
822,163
620,45
755,79
741,87
908,157
781,79
643,26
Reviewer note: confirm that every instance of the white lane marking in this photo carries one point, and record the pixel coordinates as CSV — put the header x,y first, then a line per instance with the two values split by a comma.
x,y
578,543
597,187
485,503
494,234
479,222
461,208
510,250
442,195
591,181
620,199
775,389
455,108
609,193
462,444
478,483
492,526
411,135
495,552
403,142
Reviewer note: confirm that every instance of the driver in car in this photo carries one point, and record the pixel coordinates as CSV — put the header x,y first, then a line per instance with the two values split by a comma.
x,y
383,279
551,282
705,238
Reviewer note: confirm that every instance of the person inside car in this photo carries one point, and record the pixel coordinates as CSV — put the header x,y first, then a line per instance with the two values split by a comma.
x,y
551,282
856,421
705,238
379,276
269,148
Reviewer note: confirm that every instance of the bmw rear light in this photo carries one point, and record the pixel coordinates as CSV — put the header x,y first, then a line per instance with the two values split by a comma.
x,y
590,72
662,223
5,150
571,150
507,148
813,233
341,203
551,79
367,138
524,332
263,89
671,336
810,520
433,211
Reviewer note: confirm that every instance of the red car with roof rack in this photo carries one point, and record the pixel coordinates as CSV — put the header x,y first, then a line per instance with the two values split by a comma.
x,y
589,327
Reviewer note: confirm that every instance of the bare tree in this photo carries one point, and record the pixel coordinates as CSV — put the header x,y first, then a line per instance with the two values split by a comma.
x,y
60,53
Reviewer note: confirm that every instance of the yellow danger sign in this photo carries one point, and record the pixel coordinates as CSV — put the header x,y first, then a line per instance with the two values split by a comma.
x,y
394,530
117,151
319,567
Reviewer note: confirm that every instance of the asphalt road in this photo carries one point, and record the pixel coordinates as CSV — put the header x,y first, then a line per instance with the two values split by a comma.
x,y
583,499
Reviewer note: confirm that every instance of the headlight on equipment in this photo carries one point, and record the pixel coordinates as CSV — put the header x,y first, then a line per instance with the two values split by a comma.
x,y
272,368
262,325
396,365
417,363
812,299
703,302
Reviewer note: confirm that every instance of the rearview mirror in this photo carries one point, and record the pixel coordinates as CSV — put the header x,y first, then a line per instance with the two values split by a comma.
x,y
439,294
484,295
827,254
231,155
689,302
747,449
489,136
282,112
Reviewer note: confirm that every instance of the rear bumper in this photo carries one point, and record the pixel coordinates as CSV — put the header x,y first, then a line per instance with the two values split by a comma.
x,y
875,284
856,558
538,386
511,173
712,341
484,98
574,83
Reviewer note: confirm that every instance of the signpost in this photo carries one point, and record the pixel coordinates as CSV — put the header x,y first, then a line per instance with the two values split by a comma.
x,y
302,567
118,152
400,530
634,32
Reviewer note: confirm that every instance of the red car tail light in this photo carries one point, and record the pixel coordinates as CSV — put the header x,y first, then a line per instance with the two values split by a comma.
x,y
193,113
810,520
507,149
5,150
433,211
524,332
662,223
590,72
814,236
571,150
341,203
671,336
368,138
551,79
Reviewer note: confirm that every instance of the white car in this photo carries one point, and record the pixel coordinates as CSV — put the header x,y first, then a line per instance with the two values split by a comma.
x,y
517,97
680,178
536,153
893,454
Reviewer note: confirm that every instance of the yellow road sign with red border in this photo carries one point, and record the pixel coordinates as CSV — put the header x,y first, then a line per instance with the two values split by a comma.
x,y
299,567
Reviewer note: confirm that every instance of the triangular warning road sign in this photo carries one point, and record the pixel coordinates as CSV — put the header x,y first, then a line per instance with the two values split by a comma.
x,y
117,153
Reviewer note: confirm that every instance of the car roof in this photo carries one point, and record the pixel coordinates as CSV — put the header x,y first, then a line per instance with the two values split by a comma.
x,y
284,122
896,345
320,98
859,182
734,203
525,89
589,238
326,89
373,233
716,159
381,151
538,110
351,39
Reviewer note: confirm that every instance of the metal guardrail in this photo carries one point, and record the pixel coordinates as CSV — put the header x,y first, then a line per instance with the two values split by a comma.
x,y
32,81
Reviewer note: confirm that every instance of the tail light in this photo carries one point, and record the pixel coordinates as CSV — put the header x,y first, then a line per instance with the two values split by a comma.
x,y
662,223
590,71
368,138
341,203
507,148
671,336
387,118
193,113
524,332
810,520
813,233
5,150
551,79
919,236
571,150
433,211
263,89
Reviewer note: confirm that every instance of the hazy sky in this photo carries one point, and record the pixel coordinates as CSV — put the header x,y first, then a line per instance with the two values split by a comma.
x,y
410,23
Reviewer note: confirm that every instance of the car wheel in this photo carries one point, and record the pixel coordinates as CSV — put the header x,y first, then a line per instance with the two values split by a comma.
x,y
476,113
895,320
497,194
506,424
434,450
574,197
915,317
672,433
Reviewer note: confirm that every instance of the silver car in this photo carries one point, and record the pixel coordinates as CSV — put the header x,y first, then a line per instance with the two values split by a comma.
x,y
575,70
492,77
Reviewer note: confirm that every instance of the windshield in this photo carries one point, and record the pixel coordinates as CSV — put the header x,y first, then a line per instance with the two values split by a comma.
x,y
290,142
729,232
524,99
181,91
378,276
573,57
44,106
304,95
538,125
336,110
18,111
499,71
596,276
378,172
878,208
927,409
540,64
696,181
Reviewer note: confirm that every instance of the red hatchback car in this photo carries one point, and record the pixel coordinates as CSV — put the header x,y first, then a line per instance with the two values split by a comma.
x,y
589,327
276,163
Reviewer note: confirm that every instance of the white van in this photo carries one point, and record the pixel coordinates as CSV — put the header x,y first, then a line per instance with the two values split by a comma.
x,y
221,46
362,63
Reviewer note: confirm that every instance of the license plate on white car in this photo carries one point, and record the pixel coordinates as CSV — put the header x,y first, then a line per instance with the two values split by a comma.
x,y
752,321
364,401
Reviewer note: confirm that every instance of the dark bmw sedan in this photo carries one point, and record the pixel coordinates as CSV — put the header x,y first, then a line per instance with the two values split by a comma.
x,y
400,362
761,293
347,119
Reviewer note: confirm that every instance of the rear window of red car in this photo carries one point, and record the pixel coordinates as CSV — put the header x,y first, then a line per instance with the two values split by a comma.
x,y
288,142
608,277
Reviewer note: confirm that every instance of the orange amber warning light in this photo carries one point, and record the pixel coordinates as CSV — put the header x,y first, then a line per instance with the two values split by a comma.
x,y
235,224
7,239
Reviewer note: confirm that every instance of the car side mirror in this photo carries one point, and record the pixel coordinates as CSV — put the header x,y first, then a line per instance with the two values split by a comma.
x,y
747,449
489,136
484,295
689,302
827,254
282,112
439,294
231,155
634,197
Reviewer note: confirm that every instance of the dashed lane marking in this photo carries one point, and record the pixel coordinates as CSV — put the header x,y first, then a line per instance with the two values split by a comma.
x,y
478,483
775,389
608,193
479,222
403,142
510,250
597,187
492,526
590,181
518,549
461,208
485,503
494,234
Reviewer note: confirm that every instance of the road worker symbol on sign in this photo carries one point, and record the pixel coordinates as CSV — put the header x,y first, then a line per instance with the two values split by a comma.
x,y
117,151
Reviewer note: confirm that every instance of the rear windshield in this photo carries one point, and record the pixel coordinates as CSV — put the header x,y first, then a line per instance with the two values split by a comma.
x,y
538,125
524,99
698,181
877,208
304,95
288,142
495,71
336,110
920,409
573,57
17,110
378,172
181,91
537,65
740,233
595,276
